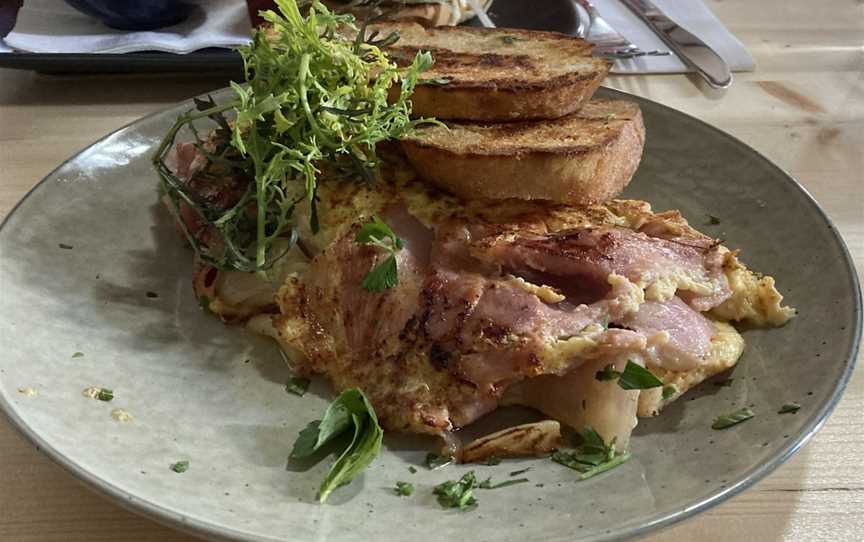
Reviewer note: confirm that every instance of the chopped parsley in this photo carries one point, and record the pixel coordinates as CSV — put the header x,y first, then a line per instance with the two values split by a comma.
x,y
104,394
518,472
78,355
349,424
713,220
728,420
592,456
297,385
411,469
487,483
458,493
493,460
404,489
151,295
634,377
435,461
64,246
789,408
180,466
669,391
384,275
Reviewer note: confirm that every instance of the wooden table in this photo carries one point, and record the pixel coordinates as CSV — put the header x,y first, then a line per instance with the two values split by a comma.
x,y
803,108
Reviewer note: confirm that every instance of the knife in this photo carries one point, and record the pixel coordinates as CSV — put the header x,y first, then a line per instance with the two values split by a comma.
x,y
692,51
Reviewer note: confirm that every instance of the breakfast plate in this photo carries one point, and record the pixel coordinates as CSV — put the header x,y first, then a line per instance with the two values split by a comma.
x,y
95,293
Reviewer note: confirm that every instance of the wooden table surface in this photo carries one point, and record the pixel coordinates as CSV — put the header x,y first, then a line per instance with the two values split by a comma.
x,y
803,108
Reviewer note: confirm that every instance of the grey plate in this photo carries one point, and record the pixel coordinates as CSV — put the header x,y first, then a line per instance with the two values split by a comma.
x,y
184,377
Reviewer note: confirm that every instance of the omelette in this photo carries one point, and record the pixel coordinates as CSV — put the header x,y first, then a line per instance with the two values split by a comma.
x,y
497,302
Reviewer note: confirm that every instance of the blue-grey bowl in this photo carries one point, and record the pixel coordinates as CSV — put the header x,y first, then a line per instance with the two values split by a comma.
x,y
135,14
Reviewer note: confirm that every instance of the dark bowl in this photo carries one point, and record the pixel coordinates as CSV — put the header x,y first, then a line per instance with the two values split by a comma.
x,y
135,14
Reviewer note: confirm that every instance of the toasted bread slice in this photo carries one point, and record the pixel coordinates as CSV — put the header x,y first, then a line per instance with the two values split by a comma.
x,y
498,75
587,157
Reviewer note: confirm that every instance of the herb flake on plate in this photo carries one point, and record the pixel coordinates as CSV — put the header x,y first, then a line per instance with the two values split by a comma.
x,y
592,457
734,418
180,466
457,493
789,408
404,489
297,385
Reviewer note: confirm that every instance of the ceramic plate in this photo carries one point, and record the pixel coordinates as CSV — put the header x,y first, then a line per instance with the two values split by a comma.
x,y
92,264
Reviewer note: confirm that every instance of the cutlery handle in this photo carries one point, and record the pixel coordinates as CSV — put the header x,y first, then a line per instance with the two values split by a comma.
x,y
693,52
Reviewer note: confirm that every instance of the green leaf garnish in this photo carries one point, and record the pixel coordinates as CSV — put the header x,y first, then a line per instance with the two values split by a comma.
x,y
297,385
104,394
520,471
315,96
487,483
435,461
668,391
351,418
493,460
180,466
457,494
411,469
789,408
404,489
78,355
384,275
636,377
728,420
592,456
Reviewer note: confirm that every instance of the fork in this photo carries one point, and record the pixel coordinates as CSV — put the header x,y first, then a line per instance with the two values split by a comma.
x,y
608,42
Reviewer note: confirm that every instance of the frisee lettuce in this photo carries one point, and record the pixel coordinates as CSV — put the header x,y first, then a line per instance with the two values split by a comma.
x,y
315,97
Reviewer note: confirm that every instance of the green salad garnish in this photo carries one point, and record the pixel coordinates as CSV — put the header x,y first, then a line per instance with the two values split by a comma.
x,y
319,94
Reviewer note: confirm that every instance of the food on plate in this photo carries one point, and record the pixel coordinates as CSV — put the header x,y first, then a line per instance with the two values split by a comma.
x,y
432,308
586,157
497,74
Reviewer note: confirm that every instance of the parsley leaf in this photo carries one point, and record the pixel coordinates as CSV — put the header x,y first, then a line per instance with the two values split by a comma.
x,y
297,385
493,460
180,466
78,355
592,456
104,394
351,420
384,275
457,494
404,489
487,483
728,420
636,377
789,408
669,391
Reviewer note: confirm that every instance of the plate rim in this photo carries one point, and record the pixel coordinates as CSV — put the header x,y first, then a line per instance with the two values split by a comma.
x,y
214,531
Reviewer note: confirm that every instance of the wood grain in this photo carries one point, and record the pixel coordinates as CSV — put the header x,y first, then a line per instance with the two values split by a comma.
x,y
813,127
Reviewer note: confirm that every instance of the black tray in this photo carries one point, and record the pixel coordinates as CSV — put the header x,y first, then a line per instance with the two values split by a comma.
x,y
560,15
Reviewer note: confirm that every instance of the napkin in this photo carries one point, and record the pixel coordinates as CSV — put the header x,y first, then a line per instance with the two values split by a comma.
x,y
692,15
52,26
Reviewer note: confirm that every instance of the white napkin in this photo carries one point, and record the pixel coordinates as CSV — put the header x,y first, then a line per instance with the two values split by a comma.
x,y
52,26
690,14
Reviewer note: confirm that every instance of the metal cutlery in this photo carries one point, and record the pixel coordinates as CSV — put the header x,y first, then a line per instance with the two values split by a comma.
x,y
692,51
608,42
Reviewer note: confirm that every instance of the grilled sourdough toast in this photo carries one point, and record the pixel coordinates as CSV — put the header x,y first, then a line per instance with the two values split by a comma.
x,y
497,75
587,157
